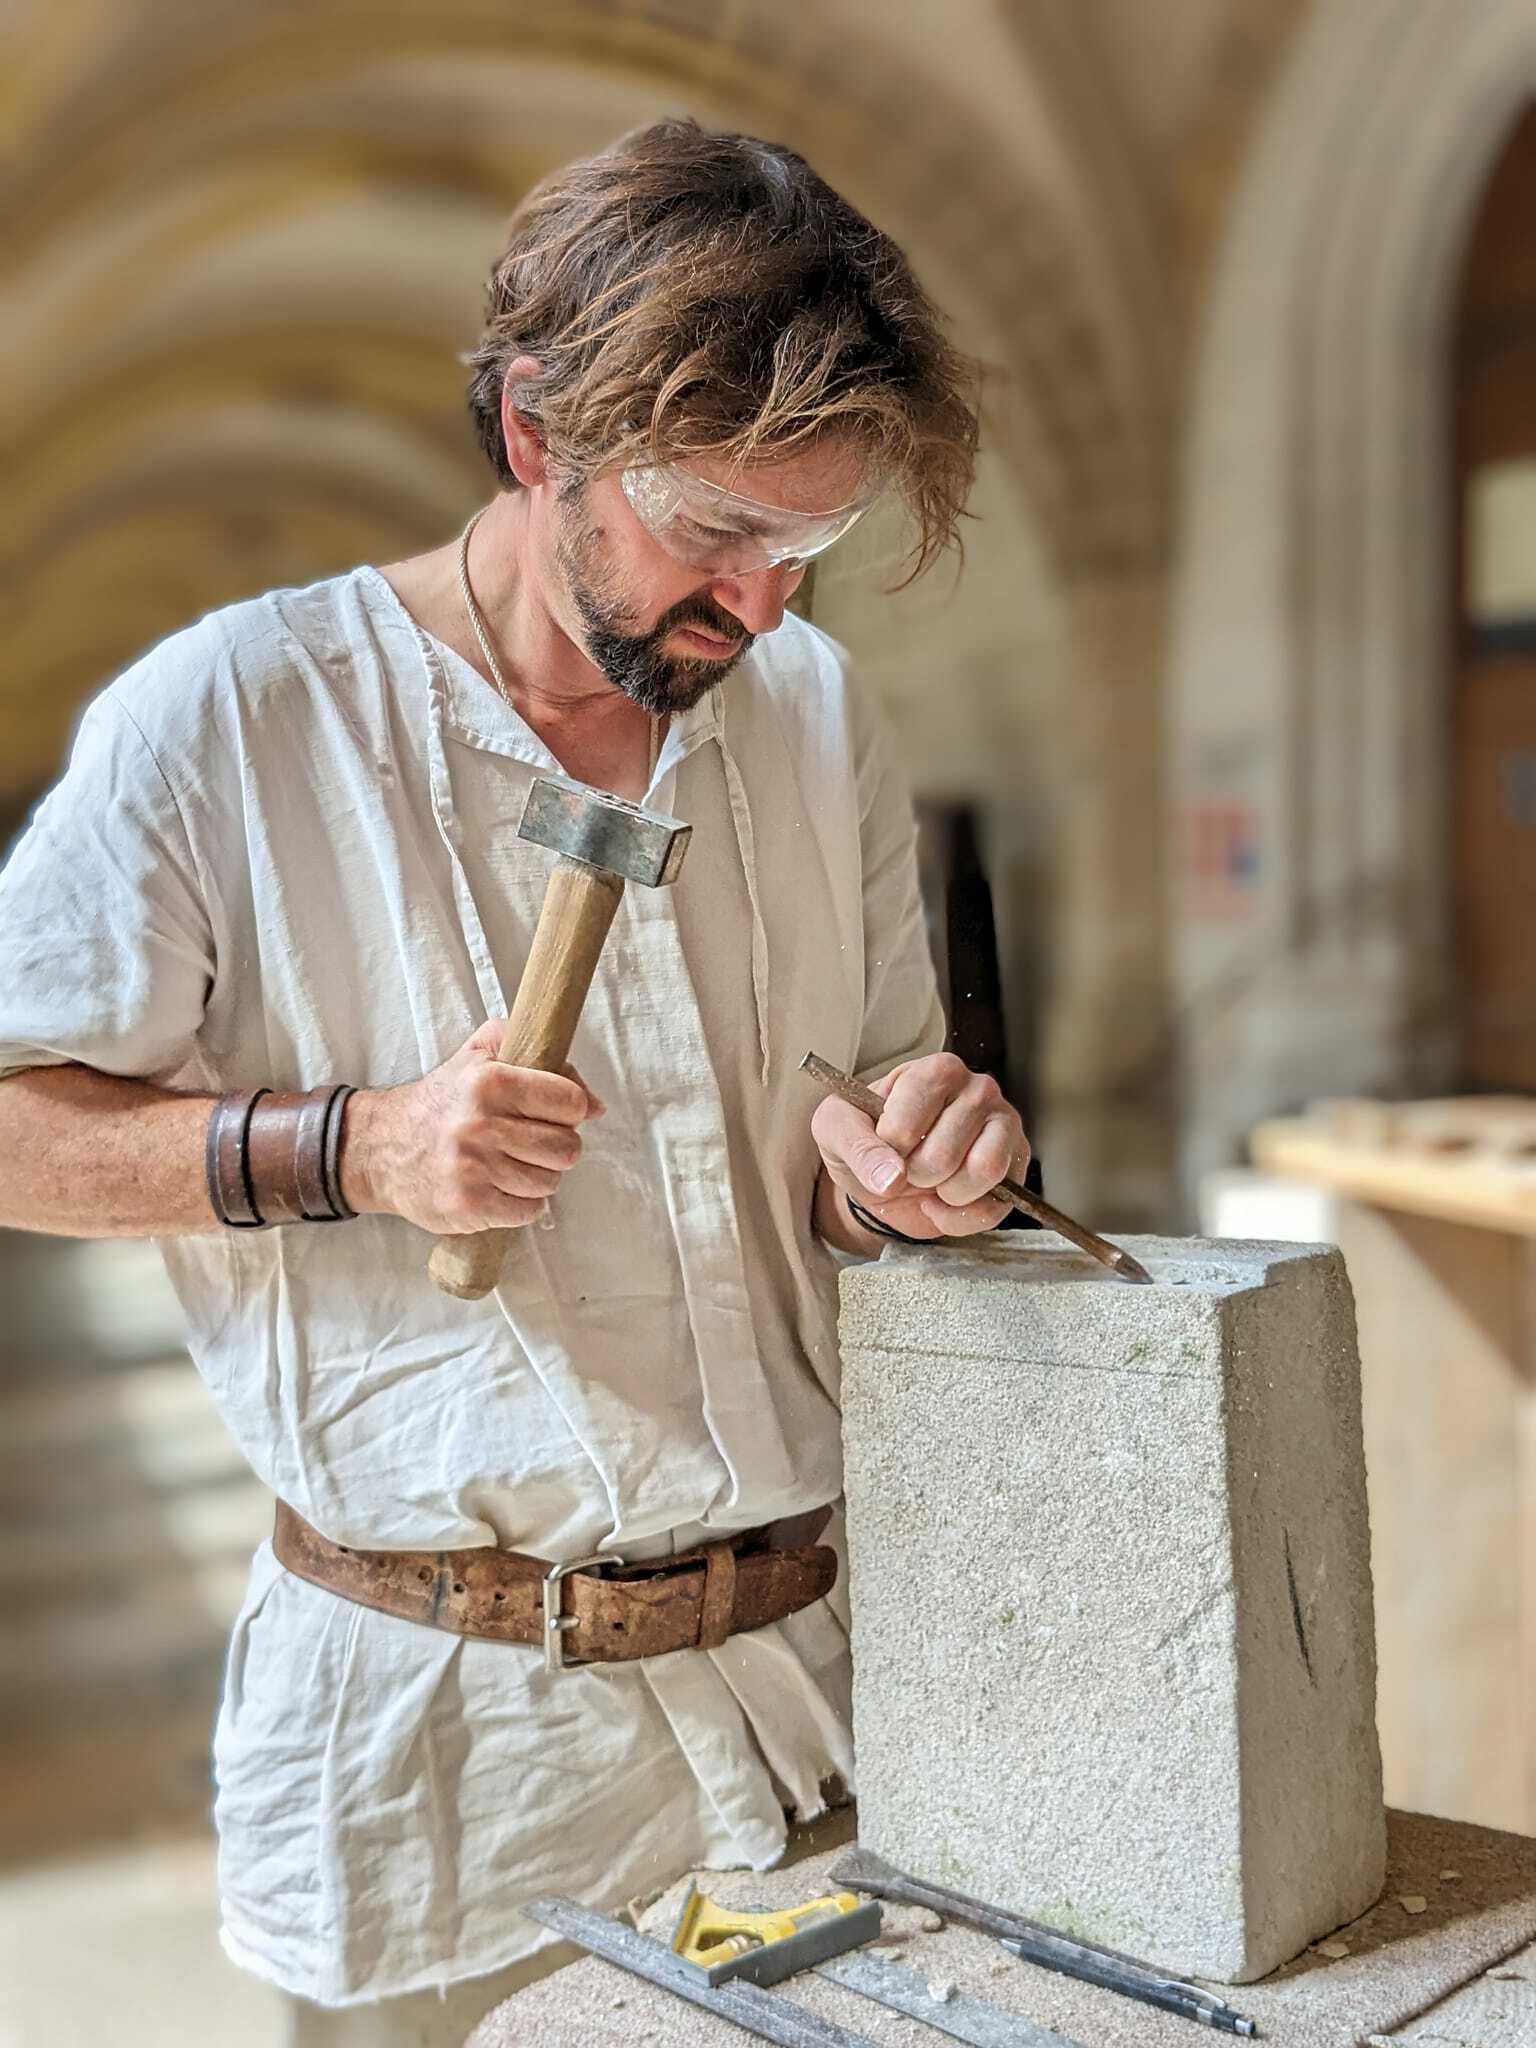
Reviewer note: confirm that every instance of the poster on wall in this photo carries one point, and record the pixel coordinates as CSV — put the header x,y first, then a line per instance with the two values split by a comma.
x,y
1220,859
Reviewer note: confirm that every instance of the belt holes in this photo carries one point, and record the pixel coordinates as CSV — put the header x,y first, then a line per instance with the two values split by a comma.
x,y
501,1596
458,1587
424,1574
344,1550
618,1625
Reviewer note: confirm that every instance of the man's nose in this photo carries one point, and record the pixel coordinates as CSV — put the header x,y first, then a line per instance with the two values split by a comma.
x,y
758,600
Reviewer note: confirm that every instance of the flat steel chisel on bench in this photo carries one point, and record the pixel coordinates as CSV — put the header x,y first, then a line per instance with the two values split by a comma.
x,y
863,1871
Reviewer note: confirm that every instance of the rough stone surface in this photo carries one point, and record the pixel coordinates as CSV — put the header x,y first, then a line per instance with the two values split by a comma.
x,y
1475,1933
1110,1579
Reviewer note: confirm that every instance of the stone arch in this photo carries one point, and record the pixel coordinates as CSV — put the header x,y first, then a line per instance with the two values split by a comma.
x,y
187,167
312,196
1310,611
1247,48
1025,233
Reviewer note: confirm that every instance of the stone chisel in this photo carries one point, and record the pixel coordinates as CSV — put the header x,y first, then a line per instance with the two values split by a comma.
x,y
1044,1213
863,1871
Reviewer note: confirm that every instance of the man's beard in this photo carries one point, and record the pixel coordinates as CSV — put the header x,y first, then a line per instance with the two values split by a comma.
x,y
637,663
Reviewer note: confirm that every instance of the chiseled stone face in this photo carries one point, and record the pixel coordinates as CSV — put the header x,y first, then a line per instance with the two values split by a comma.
x,y
1114,1662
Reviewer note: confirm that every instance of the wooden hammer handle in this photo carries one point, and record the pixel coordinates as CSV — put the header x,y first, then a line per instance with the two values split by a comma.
x,y
579,904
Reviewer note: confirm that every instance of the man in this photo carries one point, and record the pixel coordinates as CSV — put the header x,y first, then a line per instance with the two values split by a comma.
x,y
284,858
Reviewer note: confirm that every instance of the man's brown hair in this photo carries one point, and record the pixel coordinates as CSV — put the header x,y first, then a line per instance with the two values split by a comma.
x,y
691,293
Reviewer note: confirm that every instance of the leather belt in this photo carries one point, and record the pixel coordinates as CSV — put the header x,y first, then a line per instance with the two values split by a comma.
x,y
594,1610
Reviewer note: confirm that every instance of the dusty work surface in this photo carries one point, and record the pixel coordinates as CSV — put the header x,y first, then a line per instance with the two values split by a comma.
x,y
1476,1924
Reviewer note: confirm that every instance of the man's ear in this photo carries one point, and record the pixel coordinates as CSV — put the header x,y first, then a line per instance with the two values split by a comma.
x,y
526,453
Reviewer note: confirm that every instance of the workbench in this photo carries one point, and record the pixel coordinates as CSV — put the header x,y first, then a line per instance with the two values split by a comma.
x,y
1461,1970
1434,1207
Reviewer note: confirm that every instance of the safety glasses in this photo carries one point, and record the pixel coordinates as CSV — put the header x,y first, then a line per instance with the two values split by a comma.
x,y
714,529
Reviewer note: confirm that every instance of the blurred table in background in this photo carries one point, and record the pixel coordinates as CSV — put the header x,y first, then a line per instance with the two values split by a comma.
x,y
1434,1207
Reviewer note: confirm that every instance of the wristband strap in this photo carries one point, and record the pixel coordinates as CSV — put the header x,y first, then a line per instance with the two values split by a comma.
x,y
225,1161
1015,1219
880,1229
274,1157
341,1209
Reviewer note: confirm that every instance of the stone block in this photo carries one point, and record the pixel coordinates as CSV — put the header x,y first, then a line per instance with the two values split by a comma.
x,y
1114,1663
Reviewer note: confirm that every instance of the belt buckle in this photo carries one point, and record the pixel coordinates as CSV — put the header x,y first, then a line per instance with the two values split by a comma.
x,y
556,1623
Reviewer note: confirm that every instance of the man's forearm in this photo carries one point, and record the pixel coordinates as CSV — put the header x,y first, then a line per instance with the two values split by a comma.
x,y
834,1225
84,1154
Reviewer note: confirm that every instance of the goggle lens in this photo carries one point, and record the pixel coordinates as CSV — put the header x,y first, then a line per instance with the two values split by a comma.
x,y
711,528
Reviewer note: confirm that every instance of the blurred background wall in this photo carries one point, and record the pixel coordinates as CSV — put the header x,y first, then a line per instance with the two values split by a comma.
x,y
1254,501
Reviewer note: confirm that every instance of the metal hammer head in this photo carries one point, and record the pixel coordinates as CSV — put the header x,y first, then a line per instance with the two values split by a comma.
x,y
605,831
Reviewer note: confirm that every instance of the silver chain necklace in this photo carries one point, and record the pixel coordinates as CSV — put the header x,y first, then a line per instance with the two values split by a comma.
x,y
475,617
477,620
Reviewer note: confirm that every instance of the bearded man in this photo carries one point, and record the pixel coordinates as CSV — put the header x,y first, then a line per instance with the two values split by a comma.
x,y
259,943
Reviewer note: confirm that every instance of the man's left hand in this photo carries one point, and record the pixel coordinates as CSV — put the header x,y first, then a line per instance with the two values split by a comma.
x,y
945,1137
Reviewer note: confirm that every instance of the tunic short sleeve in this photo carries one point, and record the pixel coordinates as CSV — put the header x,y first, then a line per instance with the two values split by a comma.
x,y
106,954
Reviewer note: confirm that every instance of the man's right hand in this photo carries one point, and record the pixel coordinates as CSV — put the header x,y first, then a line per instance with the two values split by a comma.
x,y
473,1145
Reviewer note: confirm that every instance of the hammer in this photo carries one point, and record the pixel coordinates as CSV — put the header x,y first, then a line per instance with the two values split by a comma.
x,y
603,842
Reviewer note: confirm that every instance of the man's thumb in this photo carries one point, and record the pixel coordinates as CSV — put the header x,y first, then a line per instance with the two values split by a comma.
x,y
877,1166
489,1037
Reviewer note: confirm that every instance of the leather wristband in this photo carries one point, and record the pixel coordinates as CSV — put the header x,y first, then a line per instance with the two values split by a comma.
x,y
274,1157
224,1161
880,1229
1014,1220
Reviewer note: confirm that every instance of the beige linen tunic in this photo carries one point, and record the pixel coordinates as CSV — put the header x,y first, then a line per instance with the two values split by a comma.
x,y
285,852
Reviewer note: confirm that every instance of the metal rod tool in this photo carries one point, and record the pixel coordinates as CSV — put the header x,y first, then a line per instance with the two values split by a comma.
x,y
744,2005
960,2017
1045,1213
1032,1943
1114,1973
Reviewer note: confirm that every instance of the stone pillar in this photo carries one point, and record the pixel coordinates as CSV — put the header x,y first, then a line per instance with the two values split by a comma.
x,y
1107,1056
1114,1663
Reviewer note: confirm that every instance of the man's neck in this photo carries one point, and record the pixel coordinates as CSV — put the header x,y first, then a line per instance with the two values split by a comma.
x,y
549,679
596,733
546,673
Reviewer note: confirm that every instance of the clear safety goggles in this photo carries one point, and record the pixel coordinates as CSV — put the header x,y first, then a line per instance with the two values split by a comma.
x,y
711,528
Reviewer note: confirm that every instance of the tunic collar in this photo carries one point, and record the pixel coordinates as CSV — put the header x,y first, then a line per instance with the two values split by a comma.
x,y
473,711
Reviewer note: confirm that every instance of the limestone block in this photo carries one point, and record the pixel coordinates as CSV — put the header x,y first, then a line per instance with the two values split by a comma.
x,y
1109,1566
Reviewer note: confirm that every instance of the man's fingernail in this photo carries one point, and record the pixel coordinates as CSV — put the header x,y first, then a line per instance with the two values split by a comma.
x,y
885,1176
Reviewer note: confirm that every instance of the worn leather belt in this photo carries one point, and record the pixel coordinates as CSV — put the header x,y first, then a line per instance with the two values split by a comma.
x,y
591,1611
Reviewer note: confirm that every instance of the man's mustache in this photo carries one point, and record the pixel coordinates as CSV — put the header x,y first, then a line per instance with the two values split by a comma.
x,y
699,611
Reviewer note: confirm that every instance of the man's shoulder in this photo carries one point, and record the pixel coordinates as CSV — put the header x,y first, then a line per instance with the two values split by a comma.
x,y
227,667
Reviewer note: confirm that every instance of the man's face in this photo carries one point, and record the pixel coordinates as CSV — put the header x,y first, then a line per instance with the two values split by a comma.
x,y
663,632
